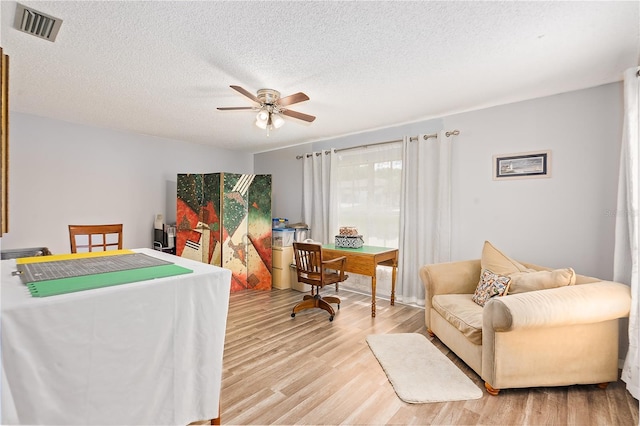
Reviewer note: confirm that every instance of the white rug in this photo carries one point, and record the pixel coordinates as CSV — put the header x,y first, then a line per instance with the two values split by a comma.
x,y
418,371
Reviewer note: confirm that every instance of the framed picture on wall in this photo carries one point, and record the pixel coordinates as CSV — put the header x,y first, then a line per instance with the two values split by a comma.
x,y
523,165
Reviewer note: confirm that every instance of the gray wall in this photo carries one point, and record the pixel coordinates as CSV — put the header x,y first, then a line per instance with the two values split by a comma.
x,y
62,173
562,221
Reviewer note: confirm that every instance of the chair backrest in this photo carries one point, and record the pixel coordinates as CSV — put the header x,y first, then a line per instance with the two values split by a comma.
x,y
86,238
309,263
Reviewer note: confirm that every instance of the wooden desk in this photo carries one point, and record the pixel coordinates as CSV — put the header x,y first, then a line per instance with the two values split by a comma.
x,y
364,261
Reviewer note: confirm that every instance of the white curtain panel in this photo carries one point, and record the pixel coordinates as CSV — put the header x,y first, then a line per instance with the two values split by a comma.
x,y
626,245
425,212
318,206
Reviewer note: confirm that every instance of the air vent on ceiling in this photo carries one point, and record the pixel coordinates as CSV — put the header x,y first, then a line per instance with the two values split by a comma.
x,y
37,23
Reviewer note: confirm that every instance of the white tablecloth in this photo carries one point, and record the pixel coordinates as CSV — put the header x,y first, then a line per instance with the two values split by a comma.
x,y
142,353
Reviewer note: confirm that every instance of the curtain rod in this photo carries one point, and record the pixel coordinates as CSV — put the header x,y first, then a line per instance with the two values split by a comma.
x,y
411,139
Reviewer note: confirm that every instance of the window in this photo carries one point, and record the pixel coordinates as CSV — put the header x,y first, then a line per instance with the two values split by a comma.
x,y
368,192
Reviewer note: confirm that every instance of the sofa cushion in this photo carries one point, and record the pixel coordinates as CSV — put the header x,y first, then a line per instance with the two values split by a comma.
x,y
498,262
490,285
461,312
521,282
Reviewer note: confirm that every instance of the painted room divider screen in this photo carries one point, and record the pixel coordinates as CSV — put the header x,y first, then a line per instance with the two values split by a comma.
x,y
224,219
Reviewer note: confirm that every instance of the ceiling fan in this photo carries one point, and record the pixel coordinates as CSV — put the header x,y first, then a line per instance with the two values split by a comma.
x,y
271,107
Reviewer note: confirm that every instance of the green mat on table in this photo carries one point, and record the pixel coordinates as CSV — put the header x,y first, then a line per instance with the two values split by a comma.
x,y
107,279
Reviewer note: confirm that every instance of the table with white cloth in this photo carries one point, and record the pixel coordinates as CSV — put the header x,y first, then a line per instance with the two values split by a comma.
x,y
147,352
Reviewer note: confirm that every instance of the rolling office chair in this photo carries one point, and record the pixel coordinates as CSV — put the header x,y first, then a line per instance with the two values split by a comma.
x,y
312,270
87,238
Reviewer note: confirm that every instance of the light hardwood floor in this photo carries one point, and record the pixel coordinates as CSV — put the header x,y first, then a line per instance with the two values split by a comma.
x,y
309,371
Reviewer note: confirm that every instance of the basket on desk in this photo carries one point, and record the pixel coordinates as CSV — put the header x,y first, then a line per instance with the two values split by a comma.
x,y
349,241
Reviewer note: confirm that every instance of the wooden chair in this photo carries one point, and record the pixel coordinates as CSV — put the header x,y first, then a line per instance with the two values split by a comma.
x,y
312,270
85,238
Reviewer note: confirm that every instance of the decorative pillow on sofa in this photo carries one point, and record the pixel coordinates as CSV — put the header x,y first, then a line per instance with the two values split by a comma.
x,y
522,282
490,285
498,262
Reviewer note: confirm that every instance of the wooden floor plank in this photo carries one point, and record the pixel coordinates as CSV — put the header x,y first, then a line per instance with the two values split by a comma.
x,y
308,370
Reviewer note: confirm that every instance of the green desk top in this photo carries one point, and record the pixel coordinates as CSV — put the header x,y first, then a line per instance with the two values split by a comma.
x,y
363,249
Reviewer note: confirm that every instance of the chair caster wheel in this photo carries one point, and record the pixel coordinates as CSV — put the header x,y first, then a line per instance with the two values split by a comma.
x,y
331,318
293,315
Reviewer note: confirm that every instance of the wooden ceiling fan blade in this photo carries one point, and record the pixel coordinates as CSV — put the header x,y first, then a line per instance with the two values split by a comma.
x,y
293,99
233,108
298,115
246,93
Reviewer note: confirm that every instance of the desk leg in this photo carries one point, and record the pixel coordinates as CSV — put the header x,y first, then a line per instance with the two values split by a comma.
x,y
393,284
373,295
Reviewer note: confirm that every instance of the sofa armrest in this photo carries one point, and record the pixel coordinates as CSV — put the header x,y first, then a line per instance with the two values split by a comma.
x,y
459,277
450,278
575,304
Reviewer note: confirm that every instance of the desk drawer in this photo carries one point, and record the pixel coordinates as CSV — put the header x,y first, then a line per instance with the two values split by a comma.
x,y
356,263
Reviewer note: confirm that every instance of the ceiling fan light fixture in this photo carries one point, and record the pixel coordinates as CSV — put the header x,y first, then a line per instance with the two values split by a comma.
x,y
277,120
263,115
261,123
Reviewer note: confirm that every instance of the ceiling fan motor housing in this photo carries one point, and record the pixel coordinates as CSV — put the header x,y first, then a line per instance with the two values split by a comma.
x,y
268,96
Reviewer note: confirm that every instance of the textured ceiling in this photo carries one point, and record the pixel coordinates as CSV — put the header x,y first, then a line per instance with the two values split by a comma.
x,y
162,68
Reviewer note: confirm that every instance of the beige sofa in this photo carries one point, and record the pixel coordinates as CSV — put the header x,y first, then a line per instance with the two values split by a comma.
x,y
551,337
